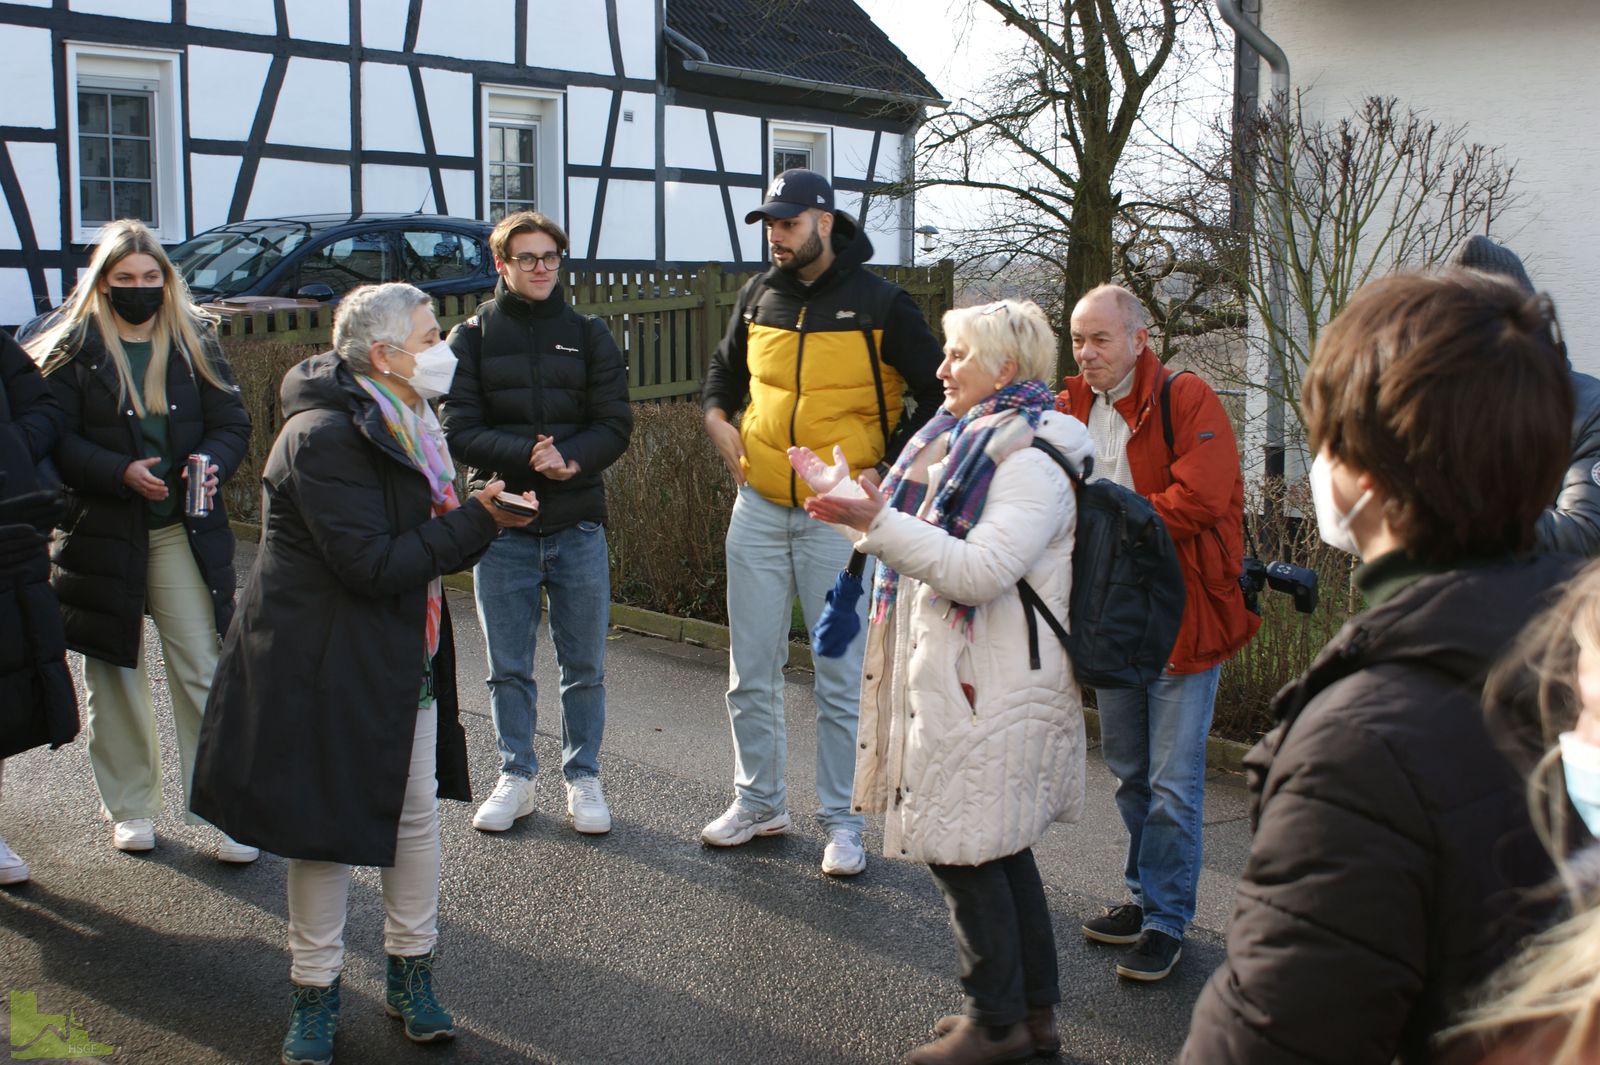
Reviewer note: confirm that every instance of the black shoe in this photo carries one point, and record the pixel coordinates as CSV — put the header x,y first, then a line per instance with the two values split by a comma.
x,y
1119,925
1152,958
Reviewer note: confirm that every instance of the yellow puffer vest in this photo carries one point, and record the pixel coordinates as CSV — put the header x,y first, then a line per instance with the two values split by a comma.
x,y
812,382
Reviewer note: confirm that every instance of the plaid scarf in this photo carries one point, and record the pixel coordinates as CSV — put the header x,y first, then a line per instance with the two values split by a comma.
x,y
972,445
421,438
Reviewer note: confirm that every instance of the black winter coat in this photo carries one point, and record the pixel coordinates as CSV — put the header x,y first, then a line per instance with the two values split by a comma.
x,y
1394,862
37,703
305,745
101,555
528,368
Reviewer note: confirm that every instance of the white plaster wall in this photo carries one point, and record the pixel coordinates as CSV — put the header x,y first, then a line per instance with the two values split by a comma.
x,y
149,10
628,228
383,23
752,237
319,20
37,173
396,188
740,138
469,29
636,141
226,88
35,3
688,140
29,96
460,192
388,109
588,111
580,212
891,154
852,150
9,239
16,296
1528,83
213,177
696,228
450,111
314,106
572,35
247,16
636,28
286,187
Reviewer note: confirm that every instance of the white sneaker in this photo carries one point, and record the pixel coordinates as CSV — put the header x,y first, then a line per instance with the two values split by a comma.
x,y
741,824
13,870
232,851
139,834
512,798
586,803
843,856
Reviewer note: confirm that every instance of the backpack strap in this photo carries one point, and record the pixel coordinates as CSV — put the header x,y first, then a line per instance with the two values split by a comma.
x,y
879,315
1032,605
1166,413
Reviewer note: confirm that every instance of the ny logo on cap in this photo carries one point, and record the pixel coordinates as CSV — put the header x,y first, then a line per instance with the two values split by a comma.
x,y
776,190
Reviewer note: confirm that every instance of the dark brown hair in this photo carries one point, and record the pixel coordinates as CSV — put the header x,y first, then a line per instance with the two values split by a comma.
x,y
524,222
1451,390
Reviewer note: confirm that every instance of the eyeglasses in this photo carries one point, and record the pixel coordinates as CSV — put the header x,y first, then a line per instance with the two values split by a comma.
x,y
526,263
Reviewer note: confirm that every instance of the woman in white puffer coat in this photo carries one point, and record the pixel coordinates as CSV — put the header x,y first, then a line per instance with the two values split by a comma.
x,y
968,751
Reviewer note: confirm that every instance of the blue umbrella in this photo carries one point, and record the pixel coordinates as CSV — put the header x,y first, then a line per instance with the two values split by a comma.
x,y
840,621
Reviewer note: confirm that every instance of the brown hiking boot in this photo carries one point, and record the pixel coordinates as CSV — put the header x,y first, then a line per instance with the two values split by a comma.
x,y
1041,1022
966,1043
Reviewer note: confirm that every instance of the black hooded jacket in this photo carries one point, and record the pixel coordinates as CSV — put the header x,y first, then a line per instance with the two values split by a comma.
x,y
1394,863
527,368
305,746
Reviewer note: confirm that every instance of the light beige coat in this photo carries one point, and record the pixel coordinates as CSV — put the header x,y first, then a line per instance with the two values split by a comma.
x,y
959,781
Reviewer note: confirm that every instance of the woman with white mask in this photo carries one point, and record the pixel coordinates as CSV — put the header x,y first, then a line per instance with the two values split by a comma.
x,y
333,727
1393,851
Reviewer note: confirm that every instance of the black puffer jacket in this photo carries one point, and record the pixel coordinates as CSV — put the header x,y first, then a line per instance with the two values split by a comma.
x,y
1572,523
537,367
37,704
1393,855
101,554
306,741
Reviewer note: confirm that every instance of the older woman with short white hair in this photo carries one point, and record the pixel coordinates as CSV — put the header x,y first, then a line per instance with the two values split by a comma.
x,y
970,745
334,702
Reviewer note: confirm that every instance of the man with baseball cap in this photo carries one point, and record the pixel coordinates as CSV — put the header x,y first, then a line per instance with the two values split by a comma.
x,y
827,353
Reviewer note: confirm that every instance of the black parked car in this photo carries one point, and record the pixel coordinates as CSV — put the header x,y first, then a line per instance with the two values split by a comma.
x,y
269,264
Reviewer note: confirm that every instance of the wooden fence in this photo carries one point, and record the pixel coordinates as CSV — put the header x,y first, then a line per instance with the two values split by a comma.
x,y
667,322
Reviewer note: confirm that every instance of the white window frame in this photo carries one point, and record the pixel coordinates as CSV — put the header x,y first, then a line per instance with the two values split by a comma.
x,y
544,111
818,140
153,70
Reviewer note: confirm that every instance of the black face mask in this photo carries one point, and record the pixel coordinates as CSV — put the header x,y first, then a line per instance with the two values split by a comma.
x,y
136,304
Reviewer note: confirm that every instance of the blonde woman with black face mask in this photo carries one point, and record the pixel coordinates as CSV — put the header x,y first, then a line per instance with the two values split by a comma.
x,y
137,369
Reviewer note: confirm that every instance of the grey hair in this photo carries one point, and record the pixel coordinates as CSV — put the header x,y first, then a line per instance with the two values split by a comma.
x,y
374,313
1134,316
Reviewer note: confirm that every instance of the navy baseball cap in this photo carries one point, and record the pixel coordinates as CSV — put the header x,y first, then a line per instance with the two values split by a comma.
x,y
794,191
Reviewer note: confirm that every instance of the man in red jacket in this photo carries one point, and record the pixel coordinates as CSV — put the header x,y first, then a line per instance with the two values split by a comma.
x,y
1154,738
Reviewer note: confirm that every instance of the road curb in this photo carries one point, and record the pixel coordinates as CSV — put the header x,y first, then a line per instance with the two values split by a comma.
x,y
1224,754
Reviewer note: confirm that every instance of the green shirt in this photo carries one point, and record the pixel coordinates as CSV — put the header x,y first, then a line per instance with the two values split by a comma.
x,y
153,430
1386,576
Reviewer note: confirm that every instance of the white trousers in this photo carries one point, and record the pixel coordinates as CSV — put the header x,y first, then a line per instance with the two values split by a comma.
x,y
319,891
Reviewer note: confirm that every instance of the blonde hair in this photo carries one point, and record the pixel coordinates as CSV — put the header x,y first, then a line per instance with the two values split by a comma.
x,y
1554,982
1006,329
179,323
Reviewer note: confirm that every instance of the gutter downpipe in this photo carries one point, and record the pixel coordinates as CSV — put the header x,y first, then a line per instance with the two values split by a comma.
x,y
1277,285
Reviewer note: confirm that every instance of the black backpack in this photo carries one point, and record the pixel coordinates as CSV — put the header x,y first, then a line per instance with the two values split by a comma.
x,y
1127,588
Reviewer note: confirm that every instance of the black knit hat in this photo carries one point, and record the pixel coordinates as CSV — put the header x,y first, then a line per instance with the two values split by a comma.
x,y
1481,253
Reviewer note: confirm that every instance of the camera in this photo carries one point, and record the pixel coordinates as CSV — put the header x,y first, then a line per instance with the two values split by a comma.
x,y
1297,581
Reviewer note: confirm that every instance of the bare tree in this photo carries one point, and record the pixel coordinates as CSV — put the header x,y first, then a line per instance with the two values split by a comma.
x,y
1334,204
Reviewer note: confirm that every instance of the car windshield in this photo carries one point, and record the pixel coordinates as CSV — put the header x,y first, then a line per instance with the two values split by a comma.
x,y
225,262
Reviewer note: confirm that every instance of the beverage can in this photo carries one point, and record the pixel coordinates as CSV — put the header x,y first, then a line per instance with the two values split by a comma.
x,y
197,504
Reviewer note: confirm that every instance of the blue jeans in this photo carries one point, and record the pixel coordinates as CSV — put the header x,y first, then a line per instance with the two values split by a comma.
x,y
775,553
1154,742
573,568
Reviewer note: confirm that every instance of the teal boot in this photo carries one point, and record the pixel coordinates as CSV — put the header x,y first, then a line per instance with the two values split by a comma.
x,y
411,999
313,1018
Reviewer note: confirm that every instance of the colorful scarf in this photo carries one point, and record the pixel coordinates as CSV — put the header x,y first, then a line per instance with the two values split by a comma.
x,y
974,445
421,438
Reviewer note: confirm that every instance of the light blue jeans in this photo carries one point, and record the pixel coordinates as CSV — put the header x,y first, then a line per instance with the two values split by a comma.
x,y
573,568
1154,742
775,553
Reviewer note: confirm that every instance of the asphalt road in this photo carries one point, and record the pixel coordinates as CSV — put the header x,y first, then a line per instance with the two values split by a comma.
x,y
639,947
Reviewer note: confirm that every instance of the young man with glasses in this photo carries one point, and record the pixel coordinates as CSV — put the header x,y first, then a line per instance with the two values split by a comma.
x,y
540,400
